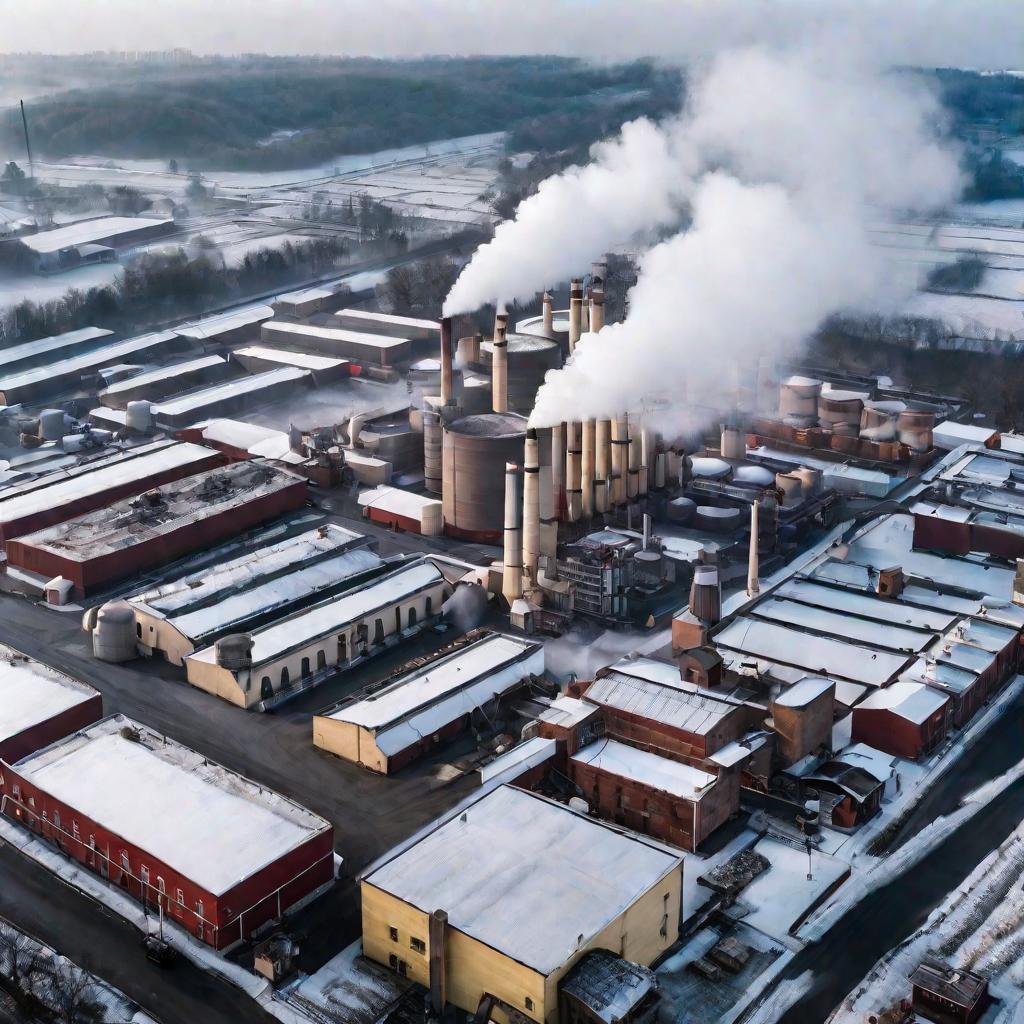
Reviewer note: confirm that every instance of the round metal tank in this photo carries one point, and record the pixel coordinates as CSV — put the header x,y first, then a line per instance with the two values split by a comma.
x,y
878,420
473,454
432,520
756,476
680,510
792,404
706,594
648,564
529,359
432,451
803,387
792,488
138,416
840,407
914,428
234,652
719,520
113,638
709,469
51,424
733,443
810,479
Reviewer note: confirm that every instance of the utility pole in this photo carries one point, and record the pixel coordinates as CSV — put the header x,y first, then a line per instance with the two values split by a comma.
x,y
28,145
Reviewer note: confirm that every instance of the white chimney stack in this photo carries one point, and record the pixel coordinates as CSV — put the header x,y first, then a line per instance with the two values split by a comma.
x,y
596,309
575,313
633,474
753,564
512,574
620,455
548,309
603,463
447,391
499,365
531,504
557,468
573,479
587,470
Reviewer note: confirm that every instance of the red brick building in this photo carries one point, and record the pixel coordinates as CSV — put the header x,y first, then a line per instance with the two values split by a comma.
x,y
905,719
221,855
39,706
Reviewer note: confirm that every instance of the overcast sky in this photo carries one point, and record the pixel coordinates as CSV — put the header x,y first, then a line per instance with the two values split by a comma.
x,y
979,33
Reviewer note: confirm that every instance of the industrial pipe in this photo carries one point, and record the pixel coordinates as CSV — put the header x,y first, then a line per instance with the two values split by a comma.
x,y
573,479
587,470
512,569
499,365
633,474
620,455
603,463
531,504
557,468
447,397
753,562
548,310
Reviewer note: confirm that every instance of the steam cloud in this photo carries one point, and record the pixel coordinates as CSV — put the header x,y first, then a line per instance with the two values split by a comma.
x,y
782,160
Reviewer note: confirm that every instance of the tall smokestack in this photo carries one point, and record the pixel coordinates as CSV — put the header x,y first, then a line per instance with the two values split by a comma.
x,y
512,574
499,365
575,312
549,512
646,461
548,309
633,477
573,479
531,504
753,563
557,467
620,455
603,463
596,309
447,397
587,470
437,933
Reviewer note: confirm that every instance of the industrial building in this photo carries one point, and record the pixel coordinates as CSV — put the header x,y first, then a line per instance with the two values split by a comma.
x,y
305,302
325,369
178,618
403,510
29,354
234,327
389,727
218,854
378,349
151,385
67,374
388,324
90,241
296,652
538,887
57,497
163,524
906,719
38,706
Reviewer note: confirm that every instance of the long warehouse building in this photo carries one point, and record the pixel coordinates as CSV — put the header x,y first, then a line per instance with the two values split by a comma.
x,y
335,341
62,495
295,652
30,354
162,525
219,854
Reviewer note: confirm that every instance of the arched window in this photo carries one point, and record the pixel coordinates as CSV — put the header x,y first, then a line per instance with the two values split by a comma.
x,y
305,667
378,631
321,660
412,616
266,689
286,679
429,607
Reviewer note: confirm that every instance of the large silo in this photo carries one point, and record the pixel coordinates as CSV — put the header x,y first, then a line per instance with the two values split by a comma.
x,y
474,452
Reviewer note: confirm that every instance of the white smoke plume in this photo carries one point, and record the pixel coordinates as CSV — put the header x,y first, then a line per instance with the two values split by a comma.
x,y
795,154
634,184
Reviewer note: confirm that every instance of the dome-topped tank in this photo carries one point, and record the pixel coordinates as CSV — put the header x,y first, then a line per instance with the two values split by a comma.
x,y
113,635
709,468
754,476
529,359
474,452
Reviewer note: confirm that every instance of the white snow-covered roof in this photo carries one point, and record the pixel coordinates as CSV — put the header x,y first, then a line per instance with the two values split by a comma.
x,y
391,319
141,462
304,360
567,711
248,570
229,389
31,693
608,755
526,876
87,231
950,435
163,373
913,701
15,354
239,434
334,334
396,501
521,758
428,698
876,763
331,616
215,827
221,323
804,692
307,294
731,754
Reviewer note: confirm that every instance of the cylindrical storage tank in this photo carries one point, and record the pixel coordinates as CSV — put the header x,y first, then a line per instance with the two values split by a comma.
x,y
234,652
51,424
432,519
733,443
432,475
113,638
753,476
914,428
138,416
837,407
474,452
529,359
792,489
810,480
660,469
648,564
708,468
718,520
803,387
878,420
680,510
706,594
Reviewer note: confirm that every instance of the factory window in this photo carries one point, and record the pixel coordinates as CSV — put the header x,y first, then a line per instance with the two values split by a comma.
x,y
138,630
528,1003
418,945
378,631
180,897
429,607
343,646
266,690
305,667
125,865
285,678
321,660
393,932
412,617
398,620
74,830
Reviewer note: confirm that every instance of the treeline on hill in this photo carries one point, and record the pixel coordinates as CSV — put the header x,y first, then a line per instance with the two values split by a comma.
x,y
278,114
162,285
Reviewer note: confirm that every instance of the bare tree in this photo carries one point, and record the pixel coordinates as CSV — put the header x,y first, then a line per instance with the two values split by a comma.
x,y
73,997
21,963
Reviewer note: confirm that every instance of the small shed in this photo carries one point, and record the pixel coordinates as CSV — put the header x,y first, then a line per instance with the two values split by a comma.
x,y
945,993
905,719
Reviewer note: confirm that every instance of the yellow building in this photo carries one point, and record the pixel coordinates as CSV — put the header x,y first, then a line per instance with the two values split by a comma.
x,y
528,886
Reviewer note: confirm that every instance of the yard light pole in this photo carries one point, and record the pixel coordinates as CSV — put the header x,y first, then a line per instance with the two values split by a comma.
x,y
810,877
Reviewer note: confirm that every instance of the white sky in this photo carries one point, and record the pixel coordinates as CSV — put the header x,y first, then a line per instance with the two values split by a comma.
x,y
981,33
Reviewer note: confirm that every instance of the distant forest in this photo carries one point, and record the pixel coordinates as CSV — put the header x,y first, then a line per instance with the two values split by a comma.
x,y
281,113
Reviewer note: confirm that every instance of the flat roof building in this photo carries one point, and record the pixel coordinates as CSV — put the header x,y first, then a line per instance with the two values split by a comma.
x,y
39,705
537,887
62,247
165,380
220,854
389,727
372,322
64,494
325,369
335,341
29,354
298,651
234,326
164,524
